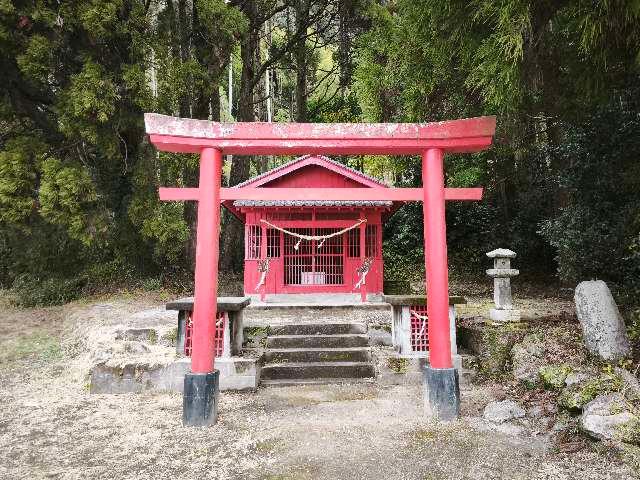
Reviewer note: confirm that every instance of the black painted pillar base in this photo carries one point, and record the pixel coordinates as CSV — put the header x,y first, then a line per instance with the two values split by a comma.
x,y
442,393
200,399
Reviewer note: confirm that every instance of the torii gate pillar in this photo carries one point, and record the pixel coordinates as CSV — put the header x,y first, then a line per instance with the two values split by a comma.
x,y
442,391
202,385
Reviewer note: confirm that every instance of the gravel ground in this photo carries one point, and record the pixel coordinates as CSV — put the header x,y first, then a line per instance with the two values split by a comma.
x,y
51,427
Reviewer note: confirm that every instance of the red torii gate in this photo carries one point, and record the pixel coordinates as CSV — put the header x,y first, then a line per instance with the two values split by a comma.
x,y
212,139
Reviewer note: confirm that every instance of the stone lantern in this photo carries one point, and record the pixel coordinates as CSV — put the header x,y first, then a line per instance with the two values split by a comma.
x,y
501,274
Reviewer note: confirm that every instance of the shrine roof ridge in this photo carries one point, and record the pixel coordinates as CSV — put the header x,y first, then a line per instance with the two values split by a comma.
x,y
305,157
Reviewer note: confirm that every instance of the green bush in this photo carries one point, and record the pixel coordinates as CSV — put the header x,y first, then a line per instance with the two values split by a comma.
x,y
595,233
29,291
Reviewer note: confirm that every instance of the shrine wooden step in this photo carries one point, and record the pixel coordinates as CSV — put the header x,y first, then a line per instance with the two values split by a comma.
x,y
280,371
317,341
318,329
298,355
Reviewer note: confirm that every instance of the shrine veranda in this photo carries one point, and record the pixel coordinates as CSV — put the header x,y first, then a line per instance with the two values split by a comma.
x,y
315,253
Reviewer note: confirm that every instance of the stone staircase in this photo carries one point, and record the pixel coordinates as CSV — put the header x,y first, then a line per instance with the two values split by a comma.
x,y
317,353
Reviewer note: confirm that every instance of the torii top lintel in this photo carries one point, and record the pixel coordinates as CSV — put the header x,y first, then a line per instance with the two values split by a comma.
x,y
172,134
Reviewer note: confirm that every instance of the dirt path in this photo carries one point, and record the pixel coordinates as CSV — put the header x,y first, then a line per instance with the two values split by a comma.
x,y
51,427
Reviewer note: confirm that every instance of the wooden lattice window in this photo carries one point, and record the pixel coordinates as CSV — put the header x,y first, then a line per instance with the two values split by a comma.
x,y
419,326
371,241
252,242
273,243
353,243
313,262
218,341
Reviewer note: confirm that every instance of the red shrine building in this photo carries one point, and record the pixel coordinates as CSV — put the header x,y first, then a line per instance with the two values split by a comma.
x,y
312,246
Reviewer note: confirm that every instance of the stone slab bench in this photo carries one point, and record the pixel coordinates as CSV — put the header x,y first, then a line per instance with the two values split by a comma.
x,y
236,372
232,306
401,306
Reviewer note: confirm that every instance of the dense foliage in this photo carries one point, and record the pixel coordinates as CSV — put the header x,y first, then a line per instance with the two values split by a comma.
x,y
562,77
78,181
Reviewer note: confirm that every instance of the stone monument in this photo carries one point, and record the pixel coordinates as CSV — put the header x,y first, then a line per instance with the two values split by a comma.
x,y
602,325
501,274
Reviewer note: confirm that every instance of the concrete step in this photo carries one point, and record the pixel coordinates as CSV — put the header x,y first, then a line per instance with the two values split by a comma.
x,y
301,355
317,341
318,329
293,382
282,371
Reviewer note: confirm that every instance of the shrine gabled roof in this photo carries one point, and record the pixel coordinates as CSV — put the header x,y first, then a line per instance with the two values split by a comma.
x,y
321,160
298,164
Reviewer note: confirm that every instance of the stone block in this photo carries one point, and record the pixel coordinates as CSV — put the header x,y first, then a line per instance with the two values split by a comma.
x,y
238,373
510,315
491,343
602,325
134,377
606,416
499,412
394,369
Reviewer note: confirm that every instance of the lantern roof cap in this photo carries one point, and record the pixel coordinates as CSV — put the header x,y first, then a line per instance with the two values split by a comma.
x,y
501,253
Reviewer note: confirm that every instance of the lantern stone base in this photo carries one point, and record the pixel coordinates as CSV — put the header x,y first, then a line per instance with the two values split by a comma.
x,y
200,399
504,315
442,393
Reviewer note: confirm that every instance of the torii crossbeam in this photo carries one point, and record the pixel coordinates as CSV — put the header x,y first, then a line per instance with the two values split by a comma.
x,y
430,140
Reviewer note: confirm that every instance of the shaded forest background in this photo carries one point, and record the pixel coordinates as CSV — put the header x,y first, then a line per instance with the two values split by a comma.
x,y
79,211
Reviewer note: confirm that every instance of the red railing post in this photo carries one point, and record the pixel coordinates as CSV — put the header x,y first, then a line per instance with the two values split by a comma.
x,y
435,253
207,249
263,257
363,252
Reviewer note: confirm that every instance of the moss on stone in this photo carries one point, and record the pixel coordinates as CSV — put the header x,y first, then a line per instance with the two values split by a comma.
x,y
172,335
574,397
493,347
278,358
334,357
630,455
398,365
553,376
256,331
629,432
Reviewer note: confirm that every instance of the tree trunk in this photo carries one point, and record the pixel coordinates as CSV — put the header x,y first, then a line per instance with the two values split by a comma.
x,y
233,239
300,53
344,46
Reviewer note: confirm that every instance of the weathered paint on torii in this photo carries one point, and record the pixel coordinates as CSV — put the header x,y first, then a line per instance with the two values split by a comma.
x,y
212,139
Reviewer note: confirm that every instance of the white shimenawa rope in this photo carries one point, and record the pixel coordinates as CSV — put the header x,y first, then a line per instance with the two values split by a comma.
x,y
362,281
263,267
314,237
363,270
424,319
263,277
